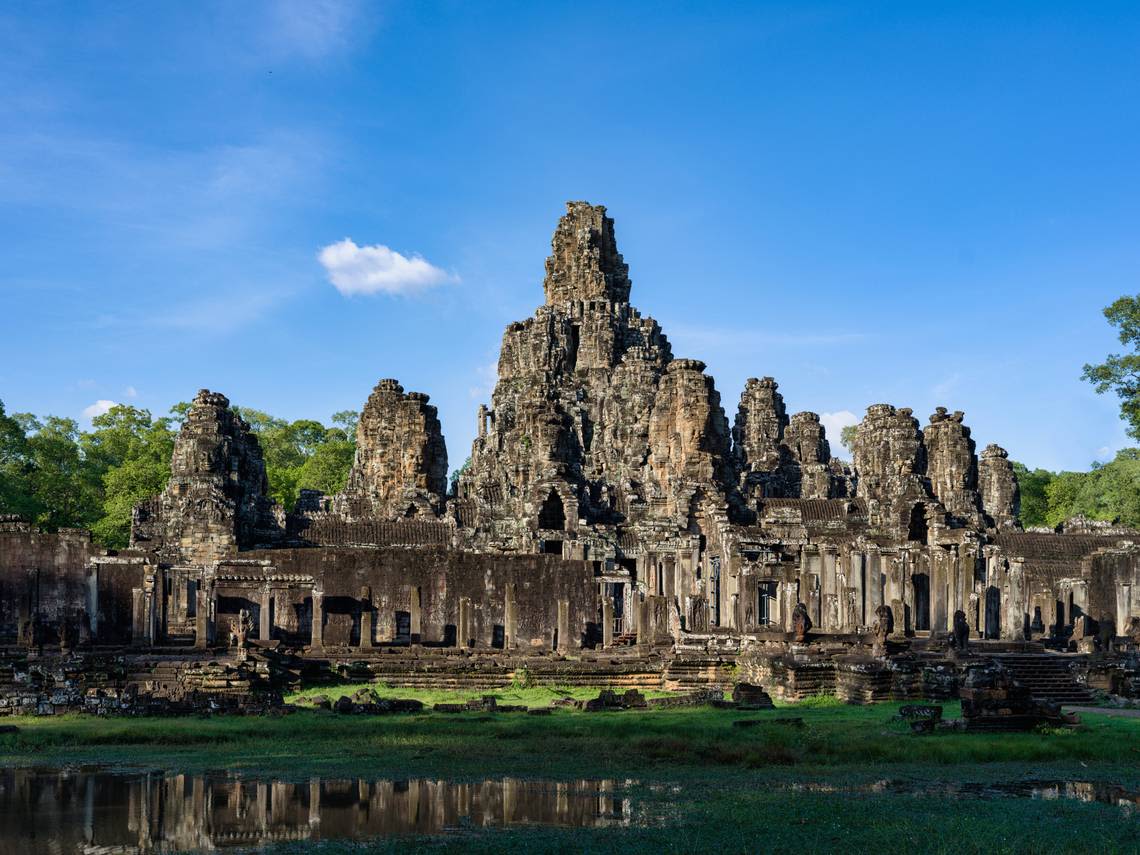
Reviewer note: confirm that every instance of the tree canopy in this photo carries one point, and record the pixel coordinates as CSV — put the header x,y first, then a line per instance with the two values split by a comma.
x,y
1120,372
57,475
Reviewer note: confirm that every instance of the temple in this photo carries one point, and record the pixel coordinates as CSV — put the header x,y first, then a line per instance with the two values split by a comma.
x,y
611,517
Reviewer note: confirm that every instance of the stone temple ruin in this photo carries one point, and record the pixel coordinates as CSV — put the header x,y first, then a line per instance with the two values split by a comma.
x,y
612,526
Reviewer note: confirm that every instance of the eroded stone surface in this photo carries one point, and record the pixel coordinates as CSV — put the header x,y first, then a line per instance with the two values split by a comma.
x,y
400,469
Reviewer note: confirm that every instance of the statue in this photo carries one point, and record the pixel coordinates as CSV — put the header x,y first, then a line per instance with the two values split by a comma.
x,y
242,625
1106,634
884,626
960,639
801,622
1133,630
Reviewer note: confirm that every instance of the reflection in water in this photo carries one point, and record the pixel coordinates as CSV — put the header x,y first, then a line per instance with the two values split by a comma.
x,y
1084,791
96,811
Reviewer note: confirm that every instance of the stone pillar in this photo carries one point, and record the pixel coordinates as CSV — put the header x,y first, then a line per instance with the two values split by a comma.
x,y
464,633
138,617
607,622
366,618
639,609
481,428
874,564
564,625
1016,604
416,610
265,630
318,638
857,579
827,582
510,620
789,597
204,619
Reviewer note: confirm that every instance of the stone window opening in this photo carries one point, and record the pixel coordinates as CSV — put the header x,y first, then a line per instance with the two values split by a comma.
x,y
766,605
916,530
921,582
552,517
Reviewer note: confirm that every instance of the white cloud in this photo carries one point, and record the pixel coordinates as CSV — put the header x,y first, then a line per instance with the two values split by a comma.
x,y
370,269
314,28
98,408
834,423
131,392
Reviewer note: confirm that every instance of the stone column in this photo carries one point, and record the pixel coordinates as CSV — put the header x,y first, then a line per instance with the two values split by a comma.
x,y
416,610
639,609
366,618
318,639
1013,622
608,622
464,625
204,619
138,617
265,630
564,625
510,620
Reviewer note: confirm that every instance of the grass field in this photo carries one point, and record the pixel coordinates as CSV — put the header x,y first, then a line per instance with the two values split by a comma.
x,y
728,787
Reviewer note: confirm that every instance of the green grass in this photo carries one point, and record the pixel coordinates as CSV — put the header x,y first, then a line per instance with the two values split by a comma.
x,y
532,696
726,784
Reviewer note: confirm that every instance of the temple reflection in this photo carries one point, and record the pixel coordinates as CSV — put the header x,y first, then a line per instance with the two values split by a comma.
x,y
92,810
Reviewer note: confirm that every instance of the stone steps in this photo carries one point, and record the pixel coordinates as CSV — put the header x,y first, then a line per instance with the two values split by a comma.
x,y
1047,676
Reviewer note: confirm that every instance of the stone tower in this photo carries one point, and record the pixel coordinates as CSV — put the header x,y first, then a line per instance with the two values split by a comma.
x,y
400,468
215,501
584,418
1000,495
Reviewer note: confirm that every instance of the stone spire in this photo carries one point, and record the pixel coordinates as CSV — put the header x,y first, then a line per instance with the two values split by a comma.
x,y
809,473
584,263
890,458
215,501
1001,499
761,420
400,467
952,465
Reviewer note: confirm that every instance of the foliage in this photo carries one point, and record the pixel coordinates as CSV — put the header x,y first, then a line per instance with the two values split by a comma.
x,y
1120,373
456,474
847,437
1108,492
56,475
1034,502
303,454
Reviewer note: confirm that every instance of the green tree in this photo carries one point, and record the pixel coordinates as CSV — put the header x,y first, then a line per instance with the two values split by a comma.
x,y
142,473
328,466
847,437
1120,373
1034,501
65,492
303,454
455,475
15,468
1062,492
348,420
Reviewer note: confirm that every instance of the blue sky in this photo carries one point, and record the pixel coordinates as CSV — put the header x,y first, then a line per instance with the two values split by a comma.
x,y
913,203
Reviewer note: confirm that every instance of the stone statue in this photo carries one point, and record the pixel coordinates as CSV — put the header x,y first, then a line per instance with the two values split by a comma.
x,y
1106,635
801,622
241,627
960,640
1133,630
884,626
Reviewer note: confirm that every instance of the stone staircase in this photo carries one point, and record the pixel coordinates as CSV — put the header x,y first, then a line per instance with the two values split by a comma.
x,y
1047,676
688,673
